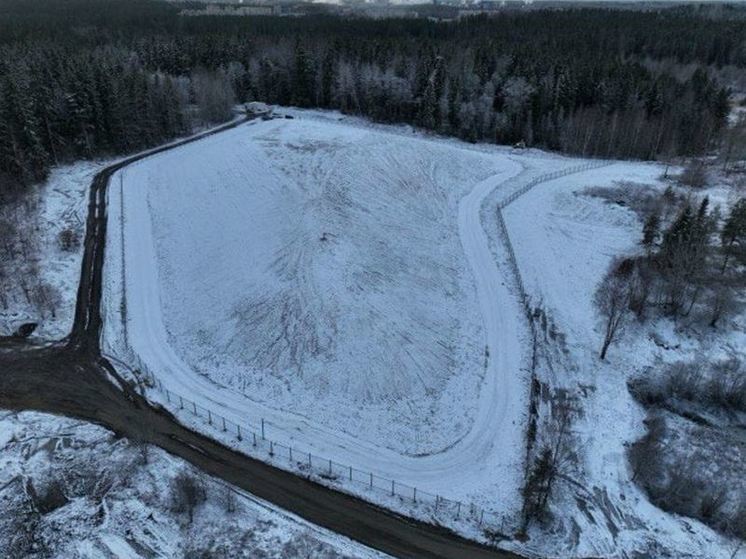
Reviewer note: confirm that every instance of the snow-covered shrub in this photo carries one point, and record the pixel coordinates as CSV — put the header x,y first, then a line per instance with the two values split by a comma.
x,y
721,385
68,240
187,493
695,175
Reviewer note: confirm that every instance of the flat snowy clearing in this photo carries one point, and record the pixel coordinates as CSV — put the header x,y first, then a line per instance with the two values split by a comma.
x,y
334,280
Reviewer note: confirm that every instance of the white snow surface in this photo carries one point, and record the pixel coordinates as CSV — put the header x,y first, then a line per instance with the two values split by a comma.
x,y
61,202
119,502
345,282
564,241
333,279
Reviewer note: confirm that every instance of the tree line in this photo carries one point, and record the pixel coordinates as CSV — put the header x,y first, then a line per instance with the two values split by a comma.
x,y
89,78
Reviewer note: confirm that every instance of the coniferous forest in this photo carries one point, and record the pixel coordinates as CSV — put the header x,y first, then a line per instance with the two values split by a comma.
x,y
82,78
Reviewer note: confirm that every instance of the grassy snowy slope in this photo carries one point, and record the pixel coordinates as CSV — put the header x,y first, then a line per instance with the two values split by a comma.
x,y
564,240
56,205
333,279
72,490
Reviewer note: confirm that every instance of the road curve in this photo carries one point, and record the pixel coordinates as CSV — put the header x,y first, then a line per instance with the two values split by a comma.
x,y
72,378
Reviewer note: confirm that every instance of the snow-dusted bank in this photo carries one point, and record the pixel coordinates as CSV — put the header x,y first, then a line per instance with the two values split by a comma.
x,y
56,205
71,489
564,240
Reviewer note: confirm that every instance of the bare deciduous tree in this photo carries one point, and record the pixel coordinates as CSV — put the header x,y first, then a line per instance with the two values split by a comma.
x,y
213,94
612,298
694,175
187,493
552,460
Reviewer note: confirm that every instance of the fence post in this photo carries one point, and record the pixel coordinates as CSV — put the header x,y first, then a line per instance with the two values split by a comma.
x,y
238,431
290,448
253,436
310,464
392,488
195,408
209,417
224,428
437,498
168,395
458,508
371,480
481,517
271,448
330,467
350,473
181,403
414,495
262,428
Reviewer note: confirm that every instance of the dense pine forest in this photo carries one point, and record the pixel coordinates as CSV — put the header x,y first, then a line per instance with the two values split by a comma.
x,y
82,78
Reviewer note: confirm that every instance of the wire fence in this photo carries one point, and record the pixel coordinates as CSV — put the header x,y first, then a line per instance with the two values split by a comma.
x,y
502,204
255,440
548,177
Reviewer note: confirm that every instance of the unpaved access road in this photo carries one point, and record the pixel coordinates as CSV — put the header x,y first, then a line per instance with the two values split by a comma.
x,y
71,378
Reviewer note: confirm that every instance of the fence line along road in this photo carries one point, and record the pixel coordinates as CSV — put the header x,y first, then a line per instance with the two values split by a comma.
x,y
254,439
502,204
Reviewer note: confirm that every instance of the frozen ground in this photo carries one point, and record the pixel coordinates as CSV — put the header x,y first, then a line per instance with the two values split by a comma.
x,y
345,283
334,279
564,241
71,490
57,204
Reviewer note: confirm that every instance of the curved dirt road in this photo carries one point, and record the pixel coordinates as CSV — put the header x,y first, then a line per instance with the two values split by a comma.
x,y
72,378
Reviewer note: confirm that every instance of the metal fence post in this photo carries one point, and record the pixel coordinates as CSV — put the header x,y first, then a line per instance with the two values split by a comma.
x,y
350,473
209,417
238,431
371,480
271,448
224,428
253,437
392,488
195,408
181,403
330,467
262,428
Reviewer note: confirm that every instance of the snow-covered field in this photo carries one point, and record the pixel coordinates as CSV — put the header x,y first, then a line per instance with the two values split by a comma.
x,y
564,241
71,490
347,284
335,280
